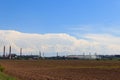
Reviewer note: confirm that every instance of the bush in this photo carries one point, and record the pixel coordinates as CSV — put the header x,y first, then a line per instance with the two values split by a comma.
x,y
1,68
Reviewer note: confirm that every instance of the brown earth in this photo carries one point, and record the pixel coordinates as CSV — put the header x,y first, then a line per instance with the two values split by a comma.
x,y
62,69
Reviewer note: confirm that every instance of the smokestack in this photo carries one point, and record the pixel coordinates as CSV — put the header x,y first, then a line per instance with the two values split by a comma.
x,y
90,55
10,52
20,51
83,55
40,54
4,51
95,54
57,54
43,55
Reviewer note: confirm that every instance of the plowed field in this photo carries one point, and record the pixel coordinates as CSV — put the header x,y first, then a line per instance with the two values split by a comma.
x,y
62,69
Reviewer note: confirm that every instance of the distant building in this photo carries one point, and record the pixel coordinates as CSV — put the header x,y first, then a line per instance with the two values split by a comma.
x,y
84,56
12,56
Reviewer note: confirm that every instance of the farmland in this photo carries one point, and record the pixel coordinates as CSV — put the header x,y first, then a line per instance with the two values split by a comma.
x,y
62,69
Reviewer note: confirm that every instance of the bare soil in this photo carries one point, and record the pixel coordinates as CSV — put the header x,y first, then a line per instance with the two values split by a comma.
x,y
62,69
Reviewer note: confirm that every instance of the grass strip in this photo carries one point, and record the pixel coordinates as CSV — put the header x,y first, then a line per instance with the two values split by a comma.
x,y
3,76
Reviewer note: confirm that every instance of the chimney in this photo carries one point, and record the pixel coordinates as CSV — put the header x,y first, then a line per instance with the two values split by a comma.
x,y
43,55
10,52
40,54
4,51
57,54
20,51
90,56
83,55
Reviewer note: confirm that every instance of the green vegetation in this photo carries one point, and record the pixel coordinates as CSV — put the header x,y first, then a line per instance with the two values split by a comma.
x,y
5,77
1,68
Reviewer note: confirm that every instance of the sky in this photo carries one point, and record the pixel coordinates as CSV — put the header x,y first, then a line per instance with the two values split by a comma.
x,y
95,22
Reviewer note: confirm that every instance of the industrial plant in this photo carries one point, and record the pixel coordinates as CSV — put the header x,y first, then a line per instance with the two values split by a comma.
x,y
21,56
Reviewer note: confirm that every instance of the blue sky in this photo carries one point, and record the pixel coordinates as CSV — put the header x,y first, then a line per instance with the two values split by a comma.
x,y
66,26
59,16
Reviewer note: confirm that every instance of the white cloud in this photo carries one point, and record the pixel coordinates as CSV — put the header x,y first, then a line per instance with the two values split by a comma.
x,y
93,29
62,43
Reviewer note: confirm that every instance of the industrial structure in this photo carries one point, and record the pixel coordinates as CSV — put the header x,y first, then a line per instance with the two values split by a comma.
x,y
4,51
41,55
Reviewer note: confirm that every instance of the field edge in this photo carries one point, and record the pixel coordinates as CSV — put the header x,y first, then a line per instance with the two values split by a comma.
x,y
4,76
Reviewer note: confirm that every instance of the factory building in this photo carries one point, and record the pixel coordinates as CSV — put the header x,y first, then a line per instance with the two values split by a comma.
x,y
84,56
